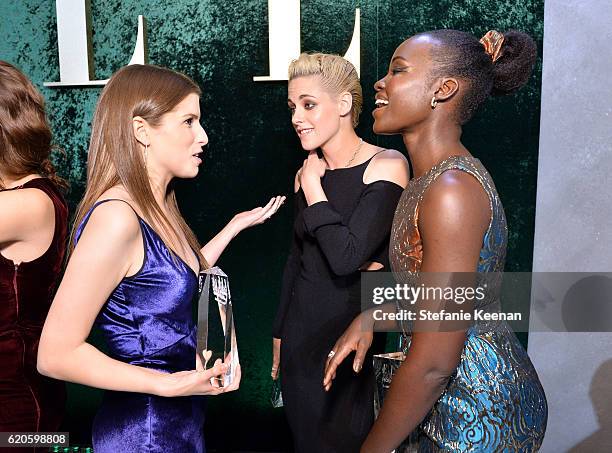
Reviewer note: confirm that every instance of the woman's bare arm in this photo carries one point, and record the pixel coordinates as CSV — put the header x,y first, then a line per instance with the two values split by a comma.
x,y
454,216
215,247
109,249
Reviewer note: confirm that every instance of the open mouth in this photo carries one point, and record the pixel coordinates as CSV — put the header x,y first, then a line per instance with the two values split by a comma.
x,y
303,132
381,103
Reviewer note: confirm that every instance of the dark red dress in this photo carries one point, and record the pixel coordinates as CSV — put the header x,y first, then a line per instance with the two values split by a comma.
x,y
28,400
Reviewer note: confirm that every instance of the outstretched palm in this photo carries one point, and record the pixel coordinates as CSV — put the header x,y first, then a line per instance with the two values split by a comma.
x,y
258,215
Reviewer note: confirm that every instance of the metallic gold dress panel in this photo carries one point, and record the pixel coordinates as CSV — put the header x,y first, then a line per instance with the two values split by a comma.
x,y
494,402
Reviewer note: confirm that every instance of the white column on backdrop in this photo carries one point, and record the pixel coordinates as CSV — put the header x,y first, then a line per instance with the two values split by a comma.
x,y
74,44
284,39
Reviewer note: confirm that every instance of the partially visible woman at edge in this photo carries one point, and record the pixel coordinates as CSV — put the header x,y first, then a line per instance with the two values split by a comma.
x,y
33,231
466,389
134,267
344,205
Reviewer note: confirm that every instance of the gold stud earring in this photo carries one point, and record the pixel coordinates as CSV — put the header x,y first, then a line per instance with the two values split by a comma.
x,y
434,102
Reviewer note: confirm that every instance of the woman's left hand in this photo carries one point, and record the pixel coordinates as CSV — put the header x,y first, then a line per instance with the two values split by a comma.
x,y
258,215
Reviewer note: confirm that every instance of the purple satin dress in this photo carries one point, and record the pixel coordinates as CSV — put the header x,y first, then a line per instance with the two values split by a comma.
x,y
147,321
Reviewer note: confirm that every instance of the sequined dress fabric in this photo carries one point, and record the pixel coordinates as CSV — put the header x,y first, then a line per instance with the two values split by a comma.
x,y
494,402
147,321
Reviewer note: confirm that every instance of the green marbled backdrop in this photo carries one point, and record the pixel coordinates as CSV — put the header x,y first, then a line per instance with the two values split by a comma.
x,y
253,153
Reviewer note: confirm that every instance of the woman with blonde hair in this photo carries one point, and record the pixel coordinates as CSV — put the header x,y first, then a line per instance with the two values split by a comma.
x,y
344,203
133,269
33,230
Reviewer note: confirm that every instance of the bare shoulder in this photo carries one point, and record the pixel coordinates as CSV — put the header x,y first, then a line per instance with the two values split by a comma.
x,y
116,192
29,205
453,217
111,246
113,221
388,165
456,200
28,199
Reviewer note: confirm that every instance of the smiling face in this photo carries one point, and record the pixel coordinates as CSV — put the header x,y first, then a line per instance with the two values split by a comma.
x,y
316,114
176,144
404,95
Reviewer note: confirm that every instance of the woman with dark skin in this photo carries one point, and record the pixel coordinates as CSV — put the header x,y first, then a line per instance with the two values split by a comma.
x,y
469,389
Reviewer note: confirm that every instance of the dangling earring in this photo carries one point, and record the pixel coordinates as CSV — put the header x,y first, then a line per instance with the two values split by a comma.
x,y
434,102
145,153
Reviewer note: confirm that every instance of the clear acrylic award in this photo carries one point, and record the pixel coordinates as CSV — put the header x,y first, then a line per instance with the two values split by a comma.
x,y
216,333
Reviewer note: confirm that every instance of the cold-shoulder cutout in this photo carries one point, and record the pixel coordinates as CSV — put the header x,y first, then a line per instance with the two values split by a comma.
x,y
388,165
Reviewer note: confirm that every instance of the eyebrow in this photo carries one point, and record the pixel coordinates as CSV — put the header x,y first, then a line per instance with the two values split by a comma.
x,y
192,115
302,96
398,58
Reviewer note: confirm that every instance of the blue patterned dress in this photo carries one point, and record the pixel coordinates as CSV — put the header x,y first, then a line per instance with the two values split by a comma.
x,y
494,402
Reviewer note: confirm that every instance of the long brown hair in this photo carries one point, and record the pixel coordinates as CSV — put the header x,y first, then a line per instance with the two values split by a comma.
x,y
25,136
115,156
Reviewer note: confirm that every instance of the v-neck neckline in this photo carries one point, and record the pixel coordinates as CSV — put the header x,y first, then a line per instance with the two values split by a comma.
x,y
172,252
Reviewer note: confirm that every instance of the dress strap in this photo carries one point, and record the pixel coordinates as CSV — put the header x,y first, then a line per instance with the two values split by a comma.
x,y
368,162
90,211
373,156
378,152
30,184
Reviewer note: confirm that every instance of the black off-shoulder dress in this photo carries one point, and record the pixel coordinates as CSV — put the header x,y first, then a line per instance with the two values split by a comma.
x,y
319,299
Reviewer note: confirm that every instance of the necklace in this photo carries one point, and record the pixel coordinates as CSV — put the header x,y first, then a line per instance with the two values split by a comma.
x,y
355,153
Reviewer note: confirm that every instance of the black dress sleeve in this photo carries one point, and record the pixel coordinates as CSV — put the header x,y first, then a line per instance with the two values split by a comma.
x,y
348,246
292,269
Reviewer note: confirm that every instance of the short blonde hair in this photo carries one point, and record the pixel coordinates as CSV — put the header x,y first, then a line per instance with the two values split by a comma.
x,y
337,74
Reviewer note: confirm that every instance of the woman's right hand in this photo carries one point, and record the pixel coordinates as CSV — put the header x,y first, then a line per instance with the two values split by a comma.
x,y
276,344
199,381
357,337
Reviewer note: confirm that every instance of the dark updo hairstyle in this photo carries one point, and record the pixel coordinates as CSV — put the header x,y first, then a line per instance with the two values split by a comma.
x,y
460,54
25,136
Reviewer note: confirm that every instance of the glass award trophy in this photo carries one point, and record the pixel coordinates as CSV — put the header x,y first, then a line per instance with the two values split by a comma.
x,y
216,333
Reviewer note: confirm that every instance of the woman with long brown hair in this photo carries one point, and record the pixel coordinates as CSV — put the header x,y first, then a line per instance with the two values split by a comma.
x,y
33,230
134,267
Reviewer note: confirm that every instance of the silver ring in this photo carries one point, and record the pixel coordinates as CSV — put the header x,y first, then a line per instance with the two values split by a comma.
x,y
331,353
